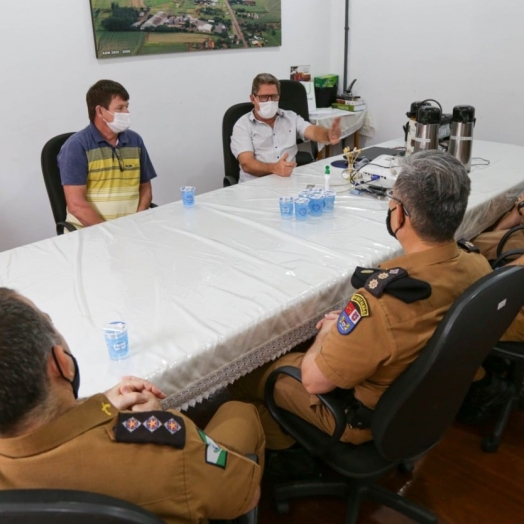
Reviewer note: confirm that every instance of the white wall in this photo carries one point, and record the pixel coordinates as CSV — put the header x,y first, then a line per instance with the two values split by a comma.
x,y
456,51
48,62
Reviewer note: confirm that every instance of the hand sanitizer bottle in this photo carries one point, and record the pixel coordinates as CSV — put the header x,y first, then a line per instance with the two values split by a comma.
x,y
326,178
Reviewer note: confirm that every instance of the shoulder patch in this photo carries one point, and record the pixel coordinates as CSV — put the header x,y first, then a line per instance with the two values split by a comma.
x,y
214,454
360,275
352,314
379,280
151,427
468,246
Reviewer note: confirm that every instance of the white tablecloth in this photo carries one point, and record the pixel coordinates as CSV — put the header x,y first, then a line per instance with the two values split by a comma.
x,y
212,292
350,122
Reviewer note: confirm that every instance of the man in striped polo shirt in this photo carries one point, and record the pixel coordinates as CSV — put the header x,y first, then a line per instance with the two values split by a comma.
x,y
105,168
265,140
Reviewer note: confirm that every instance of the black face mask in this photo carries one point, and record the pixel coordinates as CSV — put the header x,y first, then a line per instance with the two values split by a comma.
x,y
75,383
388,223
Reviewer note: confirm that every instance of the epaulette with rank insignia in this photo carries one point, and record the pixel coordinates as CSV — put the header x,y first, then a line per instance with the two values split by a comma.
x,y
395,281
468,246
151,427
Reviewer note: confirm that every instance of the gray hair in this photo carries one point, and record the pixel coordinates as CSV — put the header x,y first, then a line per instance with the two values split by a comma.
x,y
26,340
264,78
434,188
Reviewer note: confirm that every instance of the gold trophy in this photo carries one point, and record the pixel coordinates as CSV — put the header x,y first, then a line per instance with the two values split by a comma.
x,y
351,156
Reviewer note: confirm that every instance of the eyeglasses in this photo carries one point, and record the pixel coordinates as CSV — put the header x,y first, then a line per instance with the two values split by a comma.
x,y
389,194
118,155
268,98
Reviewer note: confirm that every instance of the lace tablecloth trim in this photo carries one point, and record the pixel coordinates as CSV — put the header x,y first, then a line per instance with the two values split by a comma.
x,y
205,387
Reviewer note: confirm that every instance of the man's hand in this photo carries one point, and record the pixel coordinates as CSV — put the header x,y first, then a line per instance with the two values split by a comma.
x,y
513,218
135,394
334,131
324,324
283,167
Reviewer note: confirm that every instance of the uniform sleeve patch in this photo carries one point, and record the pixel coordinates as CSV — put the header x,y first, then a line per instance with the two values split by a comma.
x,y
213,454
151,427
352,314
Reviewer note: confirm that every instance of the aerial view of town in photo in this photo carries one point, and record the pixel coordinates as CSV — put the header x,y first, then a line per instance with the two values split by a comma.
x,y
142,27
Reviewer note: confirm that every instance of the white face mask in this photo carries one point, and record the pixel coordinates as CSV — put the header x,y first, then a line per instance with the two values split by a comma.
x,y
267,110
121,122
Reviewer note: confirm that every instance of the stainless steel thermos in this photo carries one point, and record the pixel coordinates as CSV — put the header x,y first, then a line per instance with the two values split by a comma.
x,y
426,128
410,127
461,138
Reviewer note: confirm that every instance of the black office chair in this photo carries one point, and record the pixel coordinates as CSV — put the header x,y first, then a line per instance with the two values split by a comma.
x,y
503,257
415,411
512,353
60,506
293,97
231,165
53,183
63,506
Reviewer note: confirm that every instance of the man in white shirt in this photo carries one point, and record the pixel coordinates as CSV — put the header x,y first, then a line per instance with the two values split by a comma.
x,y
265,140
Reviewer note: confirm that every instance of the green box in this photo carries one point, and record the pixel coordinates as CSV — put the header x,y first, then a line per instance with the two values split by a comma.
x,y
326,81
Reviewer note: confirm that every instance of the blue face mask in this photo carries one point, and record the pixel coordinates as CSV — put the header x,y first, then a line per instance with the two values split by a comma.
x,y
75,383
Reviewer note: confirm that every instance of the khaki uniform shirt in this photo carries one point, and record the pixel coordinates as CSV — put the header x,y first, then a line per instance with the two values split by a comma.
x,y
487,243
78,451
382,345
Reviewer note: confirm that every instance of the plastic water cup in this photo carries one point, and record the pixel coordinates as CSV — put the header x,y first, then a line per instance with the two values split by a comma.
x,y
188,196
305,193
286,207
329,201
117,342
316,204
301,208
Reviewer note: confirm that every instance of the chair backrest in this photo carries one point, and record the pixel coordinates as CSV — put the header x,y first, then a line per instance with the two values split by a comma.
x,y
231,165
51,173
293,97
419,406
57,506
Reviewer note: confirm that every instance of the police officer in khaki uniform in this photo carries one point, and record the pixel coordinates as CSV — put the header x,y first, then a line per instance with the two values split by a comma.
x,y
392,314
157,459
488,241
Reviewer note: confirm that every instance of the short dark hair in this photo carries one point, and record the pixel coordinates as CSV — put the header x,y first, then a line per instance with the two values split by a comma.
x,y
434,188
262,79
26,340
101,94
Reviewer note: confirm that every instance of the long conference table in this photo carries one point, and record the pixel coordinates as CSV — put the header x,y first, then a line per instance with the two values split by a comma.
x,y
212,292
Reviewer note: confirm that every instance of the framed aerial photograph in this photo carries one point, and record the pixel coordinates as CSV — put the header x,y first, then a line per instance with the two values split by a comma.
x,y
144,27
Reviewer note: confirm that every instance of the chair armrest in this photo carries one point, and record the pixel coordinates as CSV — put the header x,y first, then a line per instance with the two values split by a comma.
x,y
328,399
61,225
229,181
502,258
504,239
